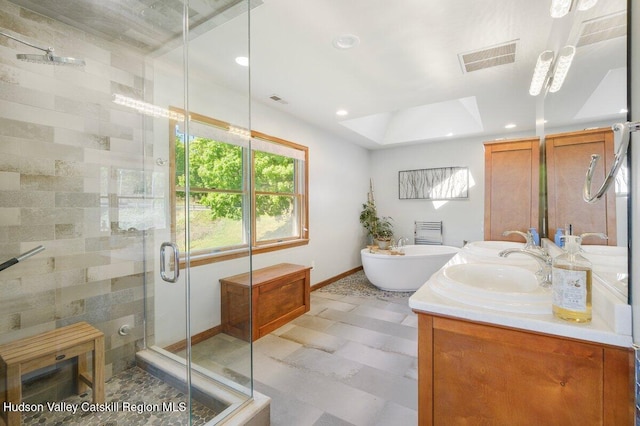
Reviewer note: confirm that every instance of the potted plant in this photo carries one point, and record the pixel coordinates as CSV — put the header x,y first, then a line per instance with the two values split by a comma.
x,y
378,229
369,219
383,233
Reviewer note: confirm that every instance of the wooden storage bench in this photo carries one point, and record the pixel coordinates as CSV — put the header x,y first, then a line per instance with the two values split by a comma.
x,y
280,294
31,353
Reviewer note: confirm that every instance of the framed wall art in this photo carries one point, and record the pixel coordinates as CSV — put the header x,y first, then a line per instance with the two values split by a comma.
x,y
443,183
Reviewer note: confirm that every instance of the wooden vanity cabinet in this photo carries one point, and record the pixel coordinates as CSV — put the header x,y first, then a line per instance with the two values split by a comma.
x,y
511,187
475,373
567,158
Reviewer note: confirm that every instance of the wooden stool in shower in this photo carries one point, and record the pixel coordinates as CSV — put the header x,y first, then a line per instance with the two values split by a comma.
x,y
31,353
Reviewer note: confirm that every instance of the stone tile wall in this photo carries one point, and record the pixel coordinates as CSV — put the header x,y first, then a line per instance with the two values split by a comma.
x,y
63,147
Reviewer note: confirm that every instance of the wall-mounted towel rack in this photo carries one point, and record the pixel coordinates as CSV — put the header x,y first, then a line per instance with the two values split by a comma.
x,y
428,233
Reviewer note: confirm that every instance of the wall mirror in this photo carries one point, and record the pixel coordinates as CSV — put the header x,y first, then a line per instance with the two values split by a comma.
x,y
594,94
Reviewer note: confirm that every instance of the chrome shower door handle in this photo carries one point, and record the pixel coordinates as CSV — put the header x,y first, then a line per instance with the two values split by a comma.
x,y
163,262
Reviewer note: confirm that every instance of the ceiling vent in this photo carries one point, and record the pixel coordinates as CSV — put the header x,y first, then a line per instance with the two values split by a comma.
x,y
278,99
488,57
604,28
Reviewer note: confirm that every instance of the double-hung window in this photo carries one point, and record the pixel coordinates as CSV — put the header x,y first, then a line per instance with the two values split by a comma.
x,y
245,190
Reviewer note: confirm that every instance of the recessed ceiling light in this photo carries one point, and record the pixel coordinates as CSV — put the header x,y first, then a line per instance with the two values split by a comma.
x,y
450,134
342,112
510,126
346,41
242,60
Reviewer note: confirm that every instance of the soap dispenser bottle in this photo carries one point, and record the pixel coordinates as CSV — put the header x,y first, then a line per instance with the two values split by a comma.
x,y
571,278
559,238
535,236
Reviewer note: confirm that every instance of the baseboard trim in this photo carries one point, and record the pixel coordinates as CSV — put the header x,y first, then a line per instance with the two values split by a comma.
x,y
196,338
334,279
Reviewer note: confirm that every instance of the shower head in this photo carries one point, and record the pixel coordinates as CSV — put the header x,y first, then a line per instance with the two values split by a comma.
x,y
47,58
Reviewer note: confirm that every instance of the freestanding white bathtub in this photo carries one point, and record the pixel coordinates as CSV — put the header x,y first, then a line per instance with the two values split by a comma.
x,y
407,272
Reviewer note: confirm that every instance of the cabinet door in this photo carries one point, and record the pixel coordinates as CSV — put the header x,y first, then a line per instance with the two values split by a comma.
x,y
473,373
568,156
512,170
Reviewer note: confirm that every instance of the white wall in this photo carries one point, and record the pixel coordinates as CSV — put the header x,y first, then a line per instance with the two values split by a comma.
x,y
462,219
338,184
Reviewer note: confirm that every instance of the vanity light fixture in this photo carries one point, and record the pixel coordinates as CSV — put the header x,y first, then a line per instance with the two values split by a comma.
x,y
540,72
562,67
560,8
586,4
545,61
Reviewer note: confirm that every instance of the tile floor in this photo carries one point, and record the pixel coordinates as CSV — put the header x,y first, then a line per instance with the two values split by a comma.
x,y
351,360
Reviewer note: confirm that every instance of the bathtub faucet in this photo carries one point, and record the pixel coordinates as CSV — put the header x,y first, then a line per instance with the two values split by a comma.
x,y
399,245
543,259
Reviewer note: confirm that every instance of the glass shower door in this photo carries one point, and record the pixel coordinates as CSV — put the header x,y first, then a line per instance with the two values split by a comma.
x,y
201,153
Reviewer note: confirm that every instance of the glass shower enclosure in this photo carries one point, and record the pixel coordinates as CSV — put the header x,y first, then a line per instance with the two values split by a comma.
x,y
102,178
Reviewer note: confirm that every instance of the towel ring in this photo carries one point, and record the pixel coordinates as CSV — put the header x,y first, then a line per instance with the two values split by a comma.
x,y
622,131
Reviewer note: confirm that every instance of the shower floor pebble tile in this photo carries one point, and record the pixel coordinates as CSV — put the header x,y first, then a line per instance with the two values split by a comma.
x,y
133,386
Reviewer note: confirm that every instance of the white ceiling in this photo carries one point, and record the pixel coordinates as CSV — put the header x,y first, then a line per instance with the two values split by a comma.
x,y
404,82
407,60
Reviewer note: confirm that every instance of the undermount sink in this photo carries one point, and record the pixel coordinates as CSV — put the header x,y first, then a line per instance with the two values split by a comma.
x,y
610,258
499,287
488,251
491,248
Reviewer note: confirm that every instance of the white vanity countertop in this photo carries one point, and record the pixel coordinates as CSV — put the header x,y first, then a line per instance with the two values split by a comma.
x,y
607,309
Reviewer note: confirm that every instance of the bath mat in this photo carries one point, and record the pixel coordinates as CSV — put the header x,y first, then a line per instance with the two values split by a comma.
x,y
357,284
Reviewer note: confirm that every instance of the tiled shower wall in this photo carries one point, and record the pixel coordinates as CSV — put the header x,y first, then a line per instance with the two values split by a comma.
x,y
64,149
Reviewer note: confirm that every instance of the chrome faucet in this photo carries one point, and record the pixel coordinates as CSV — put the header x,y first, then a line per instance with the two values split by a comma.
x,y
543,259
528,238
401,243
600,235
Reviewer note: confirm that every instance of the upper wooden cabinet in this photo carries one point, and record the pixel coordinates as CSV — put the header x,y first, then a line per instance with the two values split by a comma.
x,y
567,158
511,185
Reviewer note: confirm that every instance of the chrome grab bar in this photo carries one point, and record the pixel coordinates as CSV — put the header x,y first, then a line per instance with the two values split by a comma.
x,y
163,262
623,130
